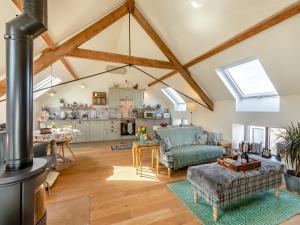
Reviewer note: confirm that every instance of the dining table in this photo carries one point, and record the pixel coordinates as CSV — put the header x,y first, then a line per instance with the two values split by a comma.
x,y
62,137
56,134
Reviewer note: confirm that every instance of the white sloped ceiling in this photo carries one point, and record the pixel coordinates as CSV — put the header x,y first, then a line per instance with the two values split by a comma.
x,y
187,31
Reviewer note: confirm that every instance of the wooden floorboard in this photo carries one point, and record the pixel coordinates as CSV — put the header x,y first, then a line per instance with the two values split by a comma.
x,y
118,195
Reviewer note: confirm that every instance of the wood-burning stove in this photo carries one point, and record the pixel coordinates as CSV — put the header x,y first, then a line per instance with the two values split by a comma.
x,y
22,195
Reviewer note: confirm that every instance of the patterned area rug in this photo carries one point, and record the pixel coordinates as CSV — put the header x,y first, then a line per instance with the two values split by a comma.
x,y
261,209
121,147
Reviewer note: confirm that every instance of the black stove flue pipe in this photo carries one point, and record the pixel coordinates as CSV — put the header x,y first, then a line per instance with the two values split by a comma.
x,y
19,36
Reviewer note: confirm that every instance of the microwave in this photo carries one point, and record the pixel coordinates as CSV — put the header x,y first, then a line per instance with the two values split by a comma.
x,y
149,115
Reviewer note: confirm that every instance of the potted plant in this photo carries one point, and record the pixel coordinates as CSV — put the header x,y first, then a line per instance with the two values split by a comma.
x,y
291,150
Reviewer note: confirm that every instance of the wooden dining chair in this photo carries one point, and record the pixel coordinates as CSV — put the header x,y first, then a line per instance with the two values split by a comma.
x,y
62,145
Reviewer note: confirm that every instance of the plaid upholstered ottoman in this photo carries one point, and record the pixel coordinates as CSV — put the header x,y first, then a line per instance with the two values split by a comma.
x,y
220,186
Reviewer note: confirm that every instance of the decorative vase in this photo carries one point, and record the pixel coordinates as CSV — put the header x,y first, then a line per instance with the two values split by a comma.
x,y
142,139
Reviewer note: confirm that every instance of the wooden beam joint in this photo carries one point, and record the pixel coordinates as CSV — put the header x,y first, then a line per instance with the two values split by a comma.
x,y
131,6
169,54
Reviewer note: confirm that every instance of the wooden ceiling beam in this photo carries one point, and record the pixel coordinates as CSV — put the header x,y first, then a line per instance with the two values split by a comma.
x,y
273,20
46,37
168,53
166,76
119,58
58,52
49,41
68,66
2,87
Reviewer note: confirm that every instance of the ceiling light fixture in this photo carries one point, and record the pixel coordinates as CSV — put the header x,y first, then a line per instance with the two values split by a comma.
x,y
51,92
196,3
82,86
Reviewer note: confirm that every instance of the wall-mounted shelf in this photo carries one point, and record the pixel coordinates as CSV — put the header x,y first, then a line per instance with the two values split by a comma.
x,y
99,98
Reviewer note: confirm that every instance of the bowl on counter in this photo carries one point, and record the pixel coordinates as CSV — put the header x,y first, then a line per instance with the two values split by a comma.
x,y
163,124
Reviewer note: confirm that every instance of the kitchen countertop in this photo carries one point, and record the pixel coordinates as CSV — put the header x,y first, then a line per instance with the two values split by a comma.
x,y
152,118
95,119
99,119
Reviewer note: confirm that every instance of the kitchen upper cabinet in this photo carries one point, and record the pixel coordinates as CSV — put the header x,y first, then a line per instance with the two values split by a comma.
x,y
96,130
127,94
139,99
115,95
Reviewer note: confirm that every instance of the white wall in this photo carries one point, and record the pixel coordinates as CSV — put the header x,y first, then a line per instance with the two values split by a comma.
x,y
225,115
74,93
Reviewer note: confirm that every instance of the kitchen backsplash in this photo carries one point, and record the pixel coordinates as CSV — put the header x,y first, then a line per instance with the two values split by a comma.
x,y
84,112
57,113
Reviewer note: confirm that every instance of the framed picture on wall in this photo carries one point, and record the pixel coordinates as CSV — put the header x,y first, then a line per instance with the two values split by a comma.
x,y
266,153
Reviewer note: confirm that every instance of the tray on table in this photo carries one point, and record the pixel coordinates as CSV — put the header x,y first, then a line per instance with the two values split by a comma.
x,y
235,165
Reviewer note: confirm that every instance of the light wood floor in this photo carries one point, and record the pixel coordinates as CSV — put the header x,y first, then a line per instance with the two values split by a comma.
x,y
118,195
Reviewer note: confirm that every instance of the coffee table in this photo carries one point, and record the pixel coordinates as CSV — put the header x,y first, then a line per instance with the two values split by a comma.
x,y
220,186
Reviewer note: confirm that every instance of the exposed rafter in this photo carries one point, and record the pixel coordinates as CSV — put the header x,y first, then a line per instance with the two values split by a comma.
x,y
2,87
168,53
52,56
118,58
166,76
49,41
19,4
275,19
69,68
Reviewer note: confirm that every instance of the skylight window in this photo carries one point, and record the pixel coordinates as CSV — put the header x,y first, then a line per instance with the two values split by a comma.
x,y
175,98
250,79
46,83
251,86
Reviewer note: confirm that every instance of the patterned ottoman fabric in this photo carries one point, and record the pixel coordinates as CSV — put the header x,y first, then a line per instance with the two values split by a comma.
x,y
220,186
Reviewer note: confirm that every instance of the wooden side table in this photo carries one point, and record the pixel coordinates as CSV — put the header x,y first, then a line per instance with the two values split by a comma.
x,y
138,148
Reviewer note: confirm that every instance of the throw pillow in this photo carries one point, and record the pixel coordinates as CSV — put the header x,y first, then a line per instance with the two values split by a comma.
x,y
211,140
167,142
201,139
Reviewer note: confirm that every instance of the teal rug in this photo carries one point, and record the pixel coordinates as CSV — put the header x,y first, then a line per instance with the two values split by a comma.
x,y
261,209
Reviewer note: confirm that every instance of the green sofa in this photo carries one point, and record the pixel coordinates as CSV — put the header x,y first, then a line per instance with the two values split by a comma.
x,y
183,149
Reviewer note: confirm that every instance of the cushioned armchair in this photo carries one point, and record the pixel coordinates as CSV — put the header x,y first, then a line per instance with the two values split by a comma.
x,y
181,147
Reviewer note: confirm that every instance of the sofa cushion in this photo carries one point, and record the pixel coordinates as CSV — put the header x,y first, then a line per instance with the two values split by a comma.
x,y
201,139
187,155
180,135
